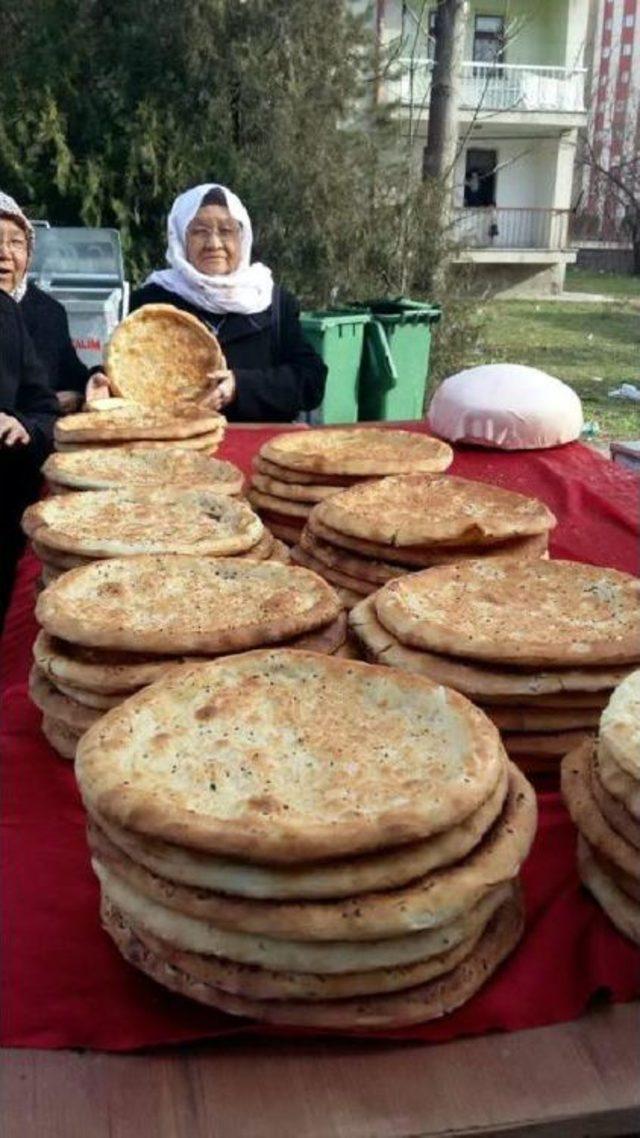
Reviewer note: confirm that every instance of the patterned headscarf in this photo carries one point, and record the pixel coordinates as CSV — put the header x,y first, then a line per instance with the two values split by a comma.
x,y
10,208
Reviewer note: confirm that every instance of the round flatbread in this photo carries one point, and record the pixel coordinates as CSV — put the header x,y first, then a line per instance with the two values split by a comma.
x,y
576,791
77,716
123,424
279,505
290,492
418,509
358,450
105,468
543,719
620,725
618,782
545,744
298,477
265,984
160,356
364,588
415,1005
434,901
100,700
479,682
412,557
549,613
344,877
62,738
615,812
290,774
200,605
622,911
378,572
98,669
120,523
56,558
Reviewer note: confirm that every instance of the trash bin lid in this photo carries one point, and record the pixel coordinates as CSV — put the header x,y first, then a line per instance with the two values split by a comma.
x,y
75,255
404,310
322,319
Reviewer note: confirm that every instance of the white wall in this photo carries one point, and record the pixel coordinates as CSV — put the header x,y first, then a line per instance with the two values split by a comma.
x,y
526,174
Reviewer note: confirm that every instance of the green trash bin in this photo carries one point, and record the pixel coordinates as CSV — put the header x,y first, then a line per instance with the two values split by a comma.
x,y
395,359
337,336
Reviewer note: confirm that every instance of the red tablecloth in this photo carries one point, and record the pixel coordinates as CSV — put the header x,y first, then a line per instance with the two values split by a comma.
x,y
64,984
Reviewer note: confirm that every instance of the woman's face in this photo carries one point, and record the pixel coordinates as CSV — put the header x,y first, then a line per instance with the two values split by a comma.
x,y
213,241
14,254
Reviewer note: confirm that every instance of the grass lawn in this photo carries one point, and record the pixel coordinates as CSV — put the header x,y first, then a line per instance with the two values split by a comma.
x,y
593,347
607,284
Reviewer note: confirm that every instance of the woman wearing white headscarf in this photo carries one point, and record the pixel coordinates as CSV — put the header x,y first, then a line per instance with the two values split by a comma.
x,y
272,373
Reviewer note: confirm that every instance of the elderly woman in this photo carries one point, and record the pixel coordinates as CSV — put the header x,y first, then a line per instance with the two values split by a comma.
x,y
45,318
27,413
272,373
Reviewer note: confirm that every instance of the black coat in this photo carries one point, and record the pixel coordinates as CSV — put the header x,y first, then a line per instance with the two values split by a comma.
x,y
48,327
24,390
277,372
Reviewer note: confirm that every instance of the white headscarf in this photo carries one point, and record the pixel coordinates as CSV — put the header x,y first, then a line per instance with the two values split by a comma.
x,y
10,208
246,290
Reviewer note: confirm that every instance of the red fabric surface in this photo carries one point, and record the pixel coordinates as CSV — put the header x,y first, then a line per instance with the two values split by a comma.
x,y
64,984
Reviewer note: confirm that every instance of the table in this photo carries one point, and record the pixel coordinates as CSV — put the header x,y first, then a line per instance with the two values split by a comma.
x,y
569,1081
572,1079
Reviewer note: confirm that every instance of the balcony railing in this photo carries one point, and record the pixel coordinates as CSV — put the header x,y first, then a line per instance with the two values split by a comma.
x,y
491,227
499,86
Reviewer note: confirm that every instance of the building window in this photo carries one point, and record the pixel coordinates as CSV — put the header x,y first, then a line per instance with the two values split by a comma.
x,y
626,49
608,24
624,76
488,39
606,52
480,177
629,20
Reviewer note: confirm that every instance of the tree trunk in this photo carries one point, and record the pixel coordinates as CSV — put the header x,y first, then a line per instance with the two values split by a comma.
x,y
442,138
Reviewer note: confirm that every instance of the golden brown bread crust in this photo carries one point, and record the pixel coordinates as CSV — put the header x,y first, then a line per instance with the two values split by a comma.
x,y
308,757
542,613
576,791
427,1001
201,605
330,880
160,356
107,468
429,902
369,451
118,523
131,422
421,509
482,682
412,557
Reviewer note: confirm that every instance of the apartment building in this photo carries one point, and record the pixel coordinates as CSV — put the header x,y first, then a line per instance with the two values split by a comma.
x,y
522,105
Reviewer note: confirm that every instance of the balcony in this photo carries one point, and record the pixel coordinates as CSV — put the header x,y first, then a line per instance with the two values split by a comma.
x,y
491,227
500,87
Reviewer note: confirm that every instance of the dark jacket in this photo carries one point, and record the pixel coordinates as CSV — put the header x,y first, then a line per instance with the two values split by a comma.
x,y
24,391
277,372
48,327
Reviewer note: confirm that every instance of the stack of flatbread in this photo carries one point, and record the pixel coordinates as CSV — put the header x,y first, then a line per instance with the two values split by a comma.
x,y
160,356
108,468
307,840
367,535
72,530
116,626
294,471
601,786
141,428
540,645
